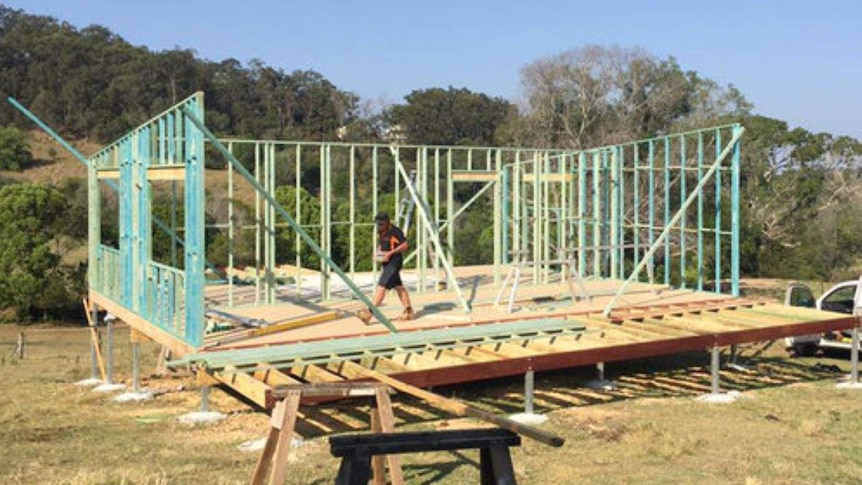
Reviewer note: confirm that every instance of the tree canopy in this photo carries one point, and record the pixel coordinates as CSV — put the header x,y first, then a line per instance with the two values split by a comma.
x,y
14,150
449,117
91,82
801,191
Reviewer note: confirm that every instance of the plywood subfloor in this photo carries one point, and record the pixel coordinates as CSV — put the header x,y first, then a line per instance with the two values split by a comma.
x,y
442,309
649,320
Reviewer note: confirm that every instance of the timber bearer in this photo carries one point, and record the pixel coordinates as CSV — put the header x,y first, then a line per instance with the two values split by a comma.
x,y
390,248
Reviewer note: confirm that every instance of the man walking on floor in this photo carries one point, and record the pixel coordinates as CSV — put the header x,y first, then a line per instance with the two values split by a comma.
x,y
390,248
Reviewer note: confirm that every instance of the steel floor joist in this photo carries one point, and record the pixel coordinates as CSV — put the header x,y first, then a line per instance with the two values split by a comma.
x,y
336,350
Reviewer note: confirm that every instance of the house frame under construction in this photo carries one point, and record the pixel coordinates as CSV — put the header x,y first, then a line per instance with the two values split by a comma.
x,y
598,255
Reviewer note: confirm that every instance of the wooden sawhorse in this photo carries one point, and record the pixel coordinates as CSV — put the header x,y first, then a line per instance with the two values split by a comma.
x,y
357,450
283,421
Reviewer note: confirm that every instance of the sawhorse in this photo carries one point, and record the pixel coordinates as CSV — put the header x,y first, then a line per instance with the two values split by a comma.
x,y
283,421
357,450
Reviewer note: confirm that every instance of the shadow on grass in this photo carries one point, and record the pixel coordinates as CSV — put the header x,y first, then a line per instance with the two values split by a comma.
x,y
431,473
681,375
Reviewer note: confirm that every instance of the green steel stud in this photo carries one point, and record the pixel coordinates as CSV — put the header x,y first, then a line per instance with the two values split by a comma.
x,y
667,156
682,220
194,223
700,214
734,212
718,215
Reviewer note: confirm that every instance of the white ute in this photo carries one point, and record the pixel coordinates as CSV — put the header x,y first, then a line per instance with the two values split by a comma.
x,y
844,297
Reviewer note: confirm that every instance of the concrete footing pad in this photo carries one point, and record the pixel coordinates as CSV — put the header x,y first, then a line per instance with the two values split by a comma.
x,y
720,397
601,385
849,385
109,387
142,395
89,382
528,418
201,417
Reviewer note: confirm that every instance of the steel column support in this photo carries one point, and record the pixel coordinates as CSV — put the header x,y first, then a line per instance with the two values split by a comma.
x,y
714,367
136,367
94,365
529,391
109,358
205,399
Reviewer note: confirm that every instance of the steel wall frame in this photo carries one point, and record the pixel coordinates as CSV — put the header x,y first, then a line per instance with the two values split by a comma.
x,y
168,296
600,208
596,207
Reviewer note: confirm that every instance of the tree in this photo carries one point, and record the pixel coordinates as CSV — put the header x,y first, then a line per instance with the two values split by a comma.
x,y
32,280
596,96
798,187
14,151
450,117
309,219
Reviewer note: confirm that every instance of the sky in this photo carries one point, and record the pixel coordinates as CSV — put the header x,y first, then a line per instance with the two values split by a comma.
x,y
799,61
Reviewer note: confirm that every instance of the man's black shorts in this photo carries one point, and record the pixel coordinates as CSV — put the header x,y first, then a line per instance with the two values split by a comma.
x,y
390,277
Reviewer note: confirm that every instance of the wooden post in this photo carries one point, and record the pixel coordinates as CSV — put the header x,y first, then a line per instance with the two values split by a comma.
x,y
21,345
94,335
383,421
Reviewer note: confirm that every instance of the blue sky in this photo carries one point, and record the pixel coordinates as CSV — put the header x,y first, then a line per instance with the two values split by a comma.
x,y
800,61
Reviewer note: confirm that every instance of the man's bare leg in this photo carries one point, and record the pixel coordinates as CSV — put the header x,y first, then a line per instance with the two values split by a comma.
x,y
379,294
405,300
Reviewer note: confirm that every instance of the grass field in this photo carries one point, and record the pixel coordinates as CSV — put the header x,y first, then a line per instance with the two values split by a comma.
x,y
793,426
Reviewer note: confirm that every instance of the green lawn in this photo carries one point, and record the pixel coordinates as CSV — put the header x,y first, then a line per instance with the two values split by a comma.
x,y
792,426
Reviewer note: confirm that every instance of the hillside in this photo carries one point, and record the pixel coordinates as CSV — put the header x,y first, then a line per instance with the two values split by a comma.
x,y
53,163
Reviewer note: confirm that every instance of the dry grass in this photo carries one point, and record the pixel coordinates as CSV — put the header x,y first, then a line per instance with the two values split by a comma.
x,y
795,426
